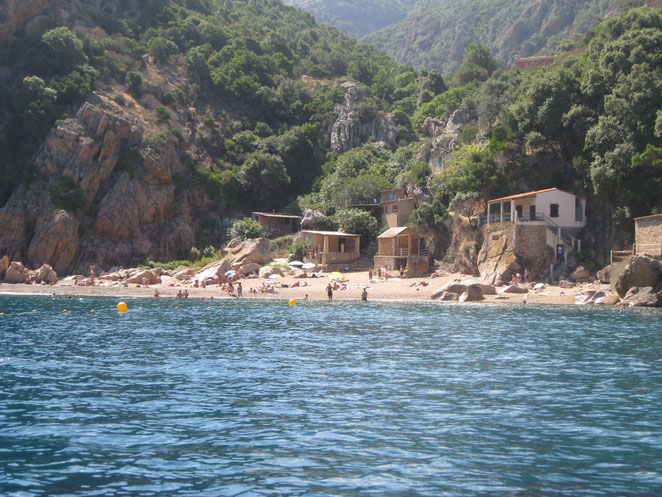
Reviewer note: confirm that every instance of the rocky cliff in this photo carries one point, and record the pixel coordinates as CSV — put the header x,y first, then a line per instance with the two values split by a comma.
x,y
356,121
15,14
128,213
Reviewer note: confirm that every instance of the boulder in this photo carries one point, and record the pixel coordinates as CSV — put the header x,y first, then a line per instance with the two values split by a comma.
x,y
46,274
642,297
448,297
566,284
4,264
184,273
471,294
16,273
267,271
257,250
514,289
248,268
591,297
539,286
150,276
581,273
641,271
604,275
310,219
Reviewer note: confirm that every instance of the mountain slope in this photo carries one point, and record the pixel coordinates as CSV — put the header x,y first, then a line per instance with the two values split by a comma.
x,y
357,18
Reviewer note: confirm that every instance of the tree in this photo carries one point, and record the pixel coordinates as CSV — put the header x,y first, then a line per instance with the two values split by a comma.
x,y
264,175
65,49
358,222
245,228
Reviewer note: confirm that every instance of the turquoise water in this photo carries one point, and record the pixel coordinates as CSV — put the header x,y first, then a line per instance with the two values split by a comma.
x,y
200,398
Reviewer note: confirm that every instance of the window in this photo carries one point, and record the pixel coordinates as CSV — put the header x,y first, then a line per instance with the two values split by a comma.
x,y
553,210
395,208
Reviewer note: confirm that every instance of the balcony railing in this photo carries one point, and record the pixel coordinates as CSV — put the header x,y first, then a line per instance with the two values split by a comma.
x,y
402,252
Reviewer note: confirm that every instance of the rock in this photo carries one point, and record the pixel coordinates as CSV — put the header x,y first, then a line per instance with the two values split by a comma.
x,y
16,13
642,297
590,297
185,273
267,271
448,297
581,273
310,219
539,286
16,273
256,250
497,262
641,271
350,126
250,267
470,290
149,275
55,240
472,294
4,264
46,274
604,275
566,284
610,299
514,289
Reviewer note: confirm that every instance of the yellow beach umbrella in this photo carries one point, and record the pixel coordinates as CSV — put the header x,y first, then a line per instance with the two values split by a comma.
x,y
337,275
276,277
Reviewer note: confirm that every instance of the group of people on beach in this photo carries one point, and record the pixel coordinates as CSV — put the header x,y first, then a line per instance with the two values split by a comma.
x,y
517,277
386,274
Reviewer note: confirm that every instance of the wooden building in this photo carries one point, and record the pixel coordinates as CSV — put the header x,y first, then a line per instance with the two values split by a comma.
x,y
275,224
332,247
403,247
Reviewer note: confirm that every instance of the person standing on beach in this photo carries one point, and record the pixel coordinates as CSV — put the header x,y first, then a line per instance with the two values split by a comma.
x,y
329,291
364,294
369,274
92,274
240,290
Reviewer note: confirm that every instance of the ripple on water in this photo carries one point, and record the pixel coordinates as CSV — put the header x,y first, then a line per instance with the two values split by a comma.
x,y
227,398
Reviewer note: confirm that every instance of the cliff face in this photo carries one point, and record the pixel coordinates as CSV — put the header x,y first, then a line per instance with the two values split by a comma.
x,y
130,212
15,14
355,122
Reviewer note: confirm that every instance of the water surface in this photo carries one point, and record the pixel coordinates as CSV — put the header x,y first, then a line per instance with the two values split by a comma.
x,y
253,398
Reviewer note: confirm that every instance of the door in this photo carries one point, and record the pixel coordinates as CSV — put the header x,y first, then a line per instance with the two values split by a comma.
x,y
342,243
518,209
532,212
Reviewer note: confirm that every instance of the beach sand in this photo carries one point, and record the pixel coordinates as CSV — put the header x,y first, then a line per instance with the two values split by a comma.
x,y
395,289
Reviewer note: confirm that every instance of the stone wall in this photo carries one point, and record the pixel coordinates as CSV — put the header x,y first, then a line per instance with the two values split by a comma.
x,y
648,235
530,241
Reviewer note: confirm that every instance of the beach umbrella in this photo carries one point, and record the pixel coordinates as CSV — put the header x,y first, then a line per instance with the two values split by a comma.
x,y
309,265
295,263
336,275
231,273
276,277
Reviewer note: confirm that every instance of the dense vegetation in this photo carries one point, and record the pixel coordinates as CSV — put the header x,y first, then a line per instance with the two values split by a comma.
x,y
591,124
434,33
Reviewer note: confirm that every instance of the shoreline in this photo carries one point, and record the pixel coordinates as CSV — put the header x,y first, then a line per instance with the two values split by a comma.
x,y
393,290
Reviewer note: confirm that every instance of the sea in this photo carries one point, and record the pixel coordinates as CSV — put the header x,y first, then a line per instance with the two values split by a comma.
x,y
247,398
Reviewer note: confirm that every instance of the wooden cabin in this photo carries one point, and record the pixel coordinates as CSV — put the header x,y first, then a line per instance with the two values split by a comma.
x,y
403,247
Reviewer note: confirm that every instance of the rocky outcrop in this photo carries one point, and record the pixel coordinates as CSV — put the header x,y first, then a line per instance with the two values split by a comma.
x,y
16,273
580,274
127,215
355,120
15,14
4,264
45,274
466,291
310,219
444,136
497,262
257,250
642,297
148,277
640,271
268,271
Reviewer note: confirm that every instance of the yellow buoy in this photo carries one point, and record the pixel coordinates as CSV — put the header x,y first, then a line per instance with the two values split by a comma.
x,y
292,302
64,310
122,307
34,310
92,311
2,313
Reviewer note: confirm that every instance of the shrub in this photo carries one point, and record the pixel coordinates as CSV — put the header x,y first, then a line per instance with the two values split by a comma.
x,y
209,251
194,254
298,250
282,243
245,228
359,222
134,82
162,114
67,195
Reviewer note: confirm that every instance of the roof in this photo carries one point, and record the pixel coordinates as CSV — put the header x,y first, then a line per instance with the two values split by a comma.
x,y
328,233
391,232
648,217
527,194
274,214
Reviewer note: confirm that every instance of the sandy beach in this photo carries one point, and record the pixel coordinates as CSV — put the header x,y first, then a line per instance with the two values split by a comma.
x,y
393,289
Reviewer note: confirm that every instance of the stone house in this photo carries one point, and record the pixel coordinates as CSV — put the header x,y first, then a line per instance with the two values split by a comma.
x,y
392,208
329,248
403,247
275,224
538,219
648,235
